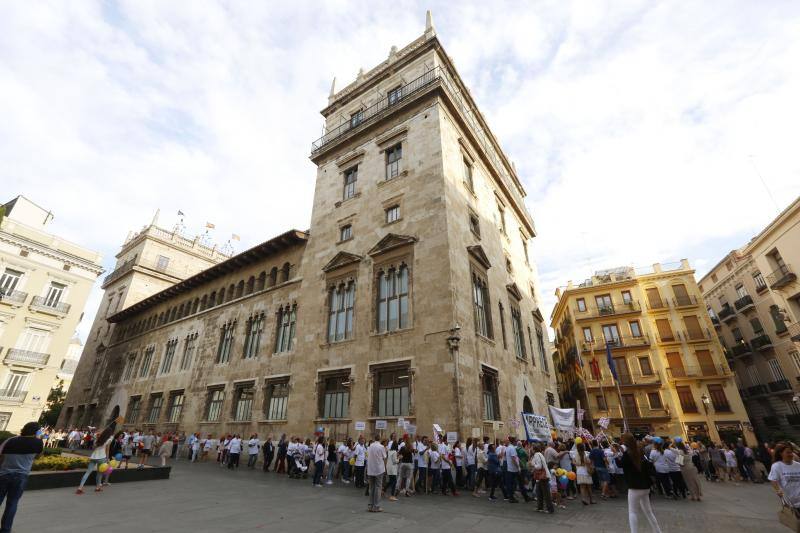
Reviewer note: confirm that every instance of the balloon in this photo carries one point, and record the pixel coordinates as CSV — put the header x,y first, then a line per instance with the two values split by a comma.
x,y
118,456
678,439
578,440
103,467
553,434
563,478
560,471
695,446
113,463
571,476
109,470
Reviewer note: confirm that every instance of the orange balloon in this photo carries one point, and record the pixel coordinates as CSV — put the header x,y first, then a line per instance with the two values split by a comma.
x,y
571,476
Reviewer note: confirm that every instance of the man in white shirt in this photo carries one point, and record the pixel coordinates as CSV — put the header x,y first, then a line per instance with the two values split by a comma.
x,y
422,466
319,462
512,469
253,446
234,451
376,468
360,453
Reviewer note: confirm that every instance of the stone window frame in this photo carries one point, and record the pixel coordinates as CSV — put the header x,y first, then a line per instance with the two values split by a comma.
x,y
341,283
211,391
392,259
238,389
254,335
375,370
173,395
490,376
346,376
283,329
269,384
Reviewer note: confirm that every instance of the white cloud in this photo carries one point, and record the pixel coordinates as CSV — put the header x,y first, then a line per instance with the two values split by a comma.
x,y
631,123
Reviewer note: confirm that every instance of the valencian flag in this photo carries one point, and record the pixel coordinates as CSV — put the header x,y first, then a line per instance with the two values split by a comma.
x,y
610,360
595,366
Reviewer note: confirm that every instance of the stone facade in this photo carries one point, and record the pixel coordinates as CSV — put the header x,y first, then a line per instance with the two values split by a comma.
x,y
753,296
412,296
44,283
671,369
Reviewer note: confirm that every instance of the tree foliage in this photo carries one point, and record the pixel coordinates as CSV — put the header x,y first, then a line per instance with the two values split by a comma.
x,y
55,402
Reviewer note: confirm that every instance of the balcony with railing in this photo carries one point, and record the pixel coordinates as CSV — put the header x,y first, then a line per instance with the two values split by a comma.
x,y
726,314
626,379
26,356
15,298
657,304
118,272
43,305
762,342
743,393
684,301
703,334
612,309
715,322
740,349
745,303
794,331
771,421
12,395
698,371
757,390
781,277
618,343
779,385
793,419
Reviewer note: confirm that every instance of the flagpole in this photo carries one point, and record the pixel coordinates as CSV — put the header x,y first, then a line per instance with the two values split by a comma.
x,y
611,367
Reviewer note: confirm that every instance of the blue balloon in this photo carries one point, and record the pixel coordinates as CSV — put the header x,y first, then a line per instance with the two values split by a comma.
x,y
118,456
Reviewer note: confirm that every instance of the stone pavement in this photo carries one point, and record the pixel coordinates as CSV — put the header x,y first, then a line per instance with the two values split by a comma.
x,y
205,497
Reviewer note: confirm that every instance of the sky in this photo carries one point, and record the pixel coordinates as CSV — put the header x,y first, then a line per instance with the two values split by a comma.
x,y
642,131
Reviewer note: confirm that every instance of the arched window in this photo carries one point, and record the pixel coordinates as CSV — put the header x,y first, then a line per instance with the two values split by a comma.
x,y
221,296
286,320
273,276
195,305
251,283
527,406
160,319
285,272
392,312
212,300
180,311
240,289
262,281
231,290
341,299
172,314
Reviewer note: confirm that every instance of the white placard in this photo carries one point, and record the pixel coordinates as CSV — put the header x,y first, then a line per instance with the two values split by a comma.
x,y
406,424
381,424
361,426
401,422
411,429
452,437
536,426
563,418
437,428
496,425
476,433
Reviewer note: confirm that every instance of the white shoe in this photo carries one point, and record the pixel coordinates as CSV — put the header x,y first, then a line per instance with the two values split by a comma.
x,y
329,482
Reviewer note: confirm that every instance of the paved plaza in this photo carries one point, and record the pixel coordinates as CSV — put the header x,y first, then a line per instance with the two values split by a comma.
x,y
204,497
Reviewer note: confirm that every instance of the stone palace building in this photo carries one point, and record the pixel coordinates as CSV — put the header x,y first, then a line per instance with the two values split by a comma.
x,y
411,301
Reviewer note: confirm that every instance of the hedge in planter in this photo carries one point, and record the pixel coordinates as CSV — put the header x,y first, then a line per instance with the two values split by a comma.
x,y
57,462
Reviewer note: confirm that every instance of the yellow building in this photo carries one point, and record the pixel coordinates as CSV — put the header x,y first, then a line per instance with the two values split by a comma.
x,y
44,283
671,369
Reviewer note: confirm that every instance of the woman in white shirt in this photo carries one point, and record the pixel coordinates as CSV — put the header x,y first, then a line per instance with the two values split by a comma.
x,y
98,457
319,461
470,460
785,476
458,458
661,465
674,462
253,446
580,457
391,471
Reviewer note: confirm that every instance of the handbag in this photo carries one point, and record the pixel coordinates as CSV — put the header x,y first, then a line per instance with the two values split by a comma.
x,y
788,517
539,474
680,459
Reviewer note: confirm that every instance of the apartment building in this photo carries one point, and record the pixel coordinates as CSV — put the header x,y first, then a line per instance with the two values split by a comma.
x,y
44,283
753,297
672,375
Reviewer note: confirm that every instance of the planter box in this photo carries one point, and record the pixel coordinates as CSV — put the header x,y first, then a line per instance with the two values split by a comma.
x,y
71,478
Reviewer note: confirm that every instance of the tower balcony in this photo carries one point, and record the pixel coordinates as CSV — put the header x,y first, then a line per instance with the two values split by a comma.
x,y
762,342
714,371
612,309
599,345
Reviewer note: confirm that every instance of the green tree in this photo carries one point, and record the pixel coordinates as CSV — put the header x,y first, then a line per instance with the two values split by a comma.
x,y
55,402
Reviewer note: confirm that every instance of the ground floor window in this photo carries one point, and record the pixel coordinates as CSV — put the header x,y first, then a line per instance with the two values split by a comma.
x,y
243,402
216,397
335,396
277,399
391,392
491,403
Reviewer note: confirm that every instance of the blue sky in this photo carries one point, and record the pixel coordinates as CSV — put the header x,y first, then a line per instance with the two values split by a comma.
x,y
639,128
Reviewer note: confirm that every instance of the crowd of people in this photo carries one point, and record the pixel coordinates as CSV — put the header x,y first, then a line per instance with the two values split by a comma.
x,y
551,473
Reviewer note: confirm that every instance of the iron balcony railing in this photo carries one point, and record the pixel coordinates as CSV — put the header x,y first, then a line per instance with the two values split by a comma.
x,y
771,421
625,379
699,371
741,348
793,419
42,304
781,277
615,308
12,395
745,302
119,271
621,342
779,385
14,297
27,356
683,301
715,322
368,114
726,313
757,390
761,342
794,331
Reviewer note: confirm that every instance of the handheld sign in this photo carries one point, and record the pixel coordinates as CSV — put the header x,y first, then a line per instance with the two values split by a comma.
x,y
361,426
380,424
452,437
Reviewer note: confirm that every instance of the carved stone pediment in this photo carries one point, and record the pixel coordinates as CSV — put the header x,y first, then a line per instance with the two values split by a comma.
x,y
390,242
479,255
514,290
341,259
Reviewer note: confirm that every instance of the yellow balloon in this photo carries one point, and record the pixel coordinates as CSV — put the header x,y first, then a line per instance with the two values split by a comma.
x,y
103,467
578,440
114,463
560,471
